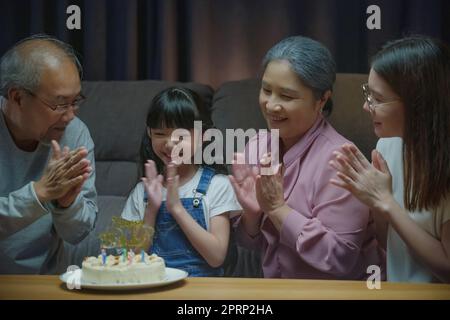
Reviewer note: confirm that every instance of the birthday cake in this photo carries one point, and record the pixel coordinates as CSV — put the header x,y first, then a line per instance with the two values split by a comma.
x,y
112,269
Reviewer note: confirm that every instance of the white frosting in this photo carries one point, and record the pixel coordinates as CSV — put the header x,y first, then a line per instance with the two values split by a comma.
x,y
117,271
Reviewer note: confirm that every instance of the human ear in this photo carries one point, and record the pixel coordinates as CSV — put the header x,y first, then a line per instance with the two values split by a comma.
x,y
323,100
14,95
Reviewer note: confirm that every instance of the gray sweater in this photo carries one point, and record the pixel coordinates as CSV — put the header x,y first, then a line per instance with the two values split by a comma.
x,y
31,233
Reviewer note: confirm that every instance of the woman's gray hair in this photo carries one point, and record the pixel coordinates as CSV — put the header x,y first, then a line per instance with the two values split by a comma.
x,y
19,70
310,60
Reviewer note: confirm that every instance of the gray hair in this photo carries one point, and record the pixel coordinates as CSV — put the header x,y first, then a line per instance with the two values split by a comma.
x,y
23,70
310,60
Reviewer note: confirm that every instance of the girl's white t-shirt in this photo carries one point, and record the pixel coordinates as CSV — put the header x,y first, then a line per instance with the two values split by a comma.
x,y
402,266
219,198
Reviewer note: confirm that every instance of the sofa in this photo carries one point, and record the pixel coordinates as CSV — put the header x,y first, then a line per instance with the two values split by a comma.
x,y
115,114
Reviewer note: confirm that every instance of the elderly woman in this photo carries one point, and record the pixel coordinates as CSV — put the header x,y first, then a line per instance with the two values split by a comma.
x,y
408,182
305,226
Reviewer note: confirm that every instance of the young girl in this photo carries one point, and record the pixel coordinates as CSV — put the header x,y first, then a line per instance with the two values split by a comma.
x,y
187,204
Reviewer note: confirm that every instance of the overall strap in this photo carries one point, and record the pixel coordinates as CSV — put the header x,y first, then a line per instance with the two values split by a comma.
x,y
207,175
145,196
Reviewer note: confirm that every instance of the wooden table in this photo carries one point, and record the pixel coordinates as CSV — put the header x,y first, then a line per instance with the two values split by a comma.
x,y
50,287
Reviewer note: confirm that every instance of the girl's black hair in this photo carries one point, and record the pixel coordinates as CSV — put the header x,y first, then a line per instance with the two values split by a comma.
x,y
175,107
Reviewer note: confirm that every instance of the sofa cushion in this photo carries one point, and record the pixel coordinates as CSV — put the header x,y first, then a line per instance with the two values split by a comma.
x,y
235,105
108,207
116,177
348,116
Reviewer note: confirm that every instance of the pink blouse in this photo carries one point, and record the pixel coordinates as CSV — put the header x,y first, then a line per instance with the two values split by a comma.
x,y
329,234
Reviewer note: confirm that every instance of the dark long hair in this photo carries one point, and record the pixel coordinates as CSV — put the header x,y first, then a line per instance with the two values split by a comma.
x,y
175,107
417,68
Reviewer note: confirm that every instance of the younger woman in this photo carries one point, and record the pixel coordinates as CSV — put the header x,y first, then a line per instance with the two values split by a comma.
x,y
408,181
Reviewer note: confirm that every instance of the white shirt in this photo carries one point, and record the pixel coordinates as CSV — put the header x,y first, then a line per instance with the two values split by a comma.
x,y
402,266
219,198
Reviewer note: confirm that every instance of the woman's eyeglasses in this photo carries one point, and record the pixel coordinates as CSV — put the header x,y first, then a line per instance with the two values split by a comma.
x,y
370,100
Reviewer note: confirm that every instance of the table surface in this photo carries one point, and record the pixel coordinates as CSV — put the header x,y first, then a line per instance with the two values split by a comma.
x,y
51,287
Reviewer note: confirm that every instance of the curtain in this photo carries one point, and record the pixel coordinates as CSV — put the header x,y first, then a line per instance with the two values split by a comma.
x,y
213,41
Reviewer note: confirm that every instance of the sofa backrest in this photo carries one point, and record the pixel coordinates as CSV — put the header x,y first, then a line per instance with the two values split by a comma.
x,y
348,116
115,113
235,105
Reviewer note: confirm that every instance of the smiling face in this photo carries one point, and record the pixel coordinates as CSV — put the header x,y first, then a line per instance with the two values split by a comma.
x,y
173,145
59,84
388,119
286,103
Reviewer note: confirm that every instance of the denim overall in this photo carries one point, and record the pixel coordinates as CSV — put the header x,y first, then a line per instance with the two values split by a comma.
x,y
169,241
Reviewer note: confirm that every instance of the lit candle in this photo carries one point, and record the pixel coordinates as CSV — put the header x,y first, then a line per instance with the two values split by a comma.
x,y
130,257
103,256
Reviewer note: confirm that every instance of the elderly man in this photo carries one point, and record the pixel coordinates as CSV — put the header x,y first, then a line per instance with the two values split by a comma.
x,y
47,192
